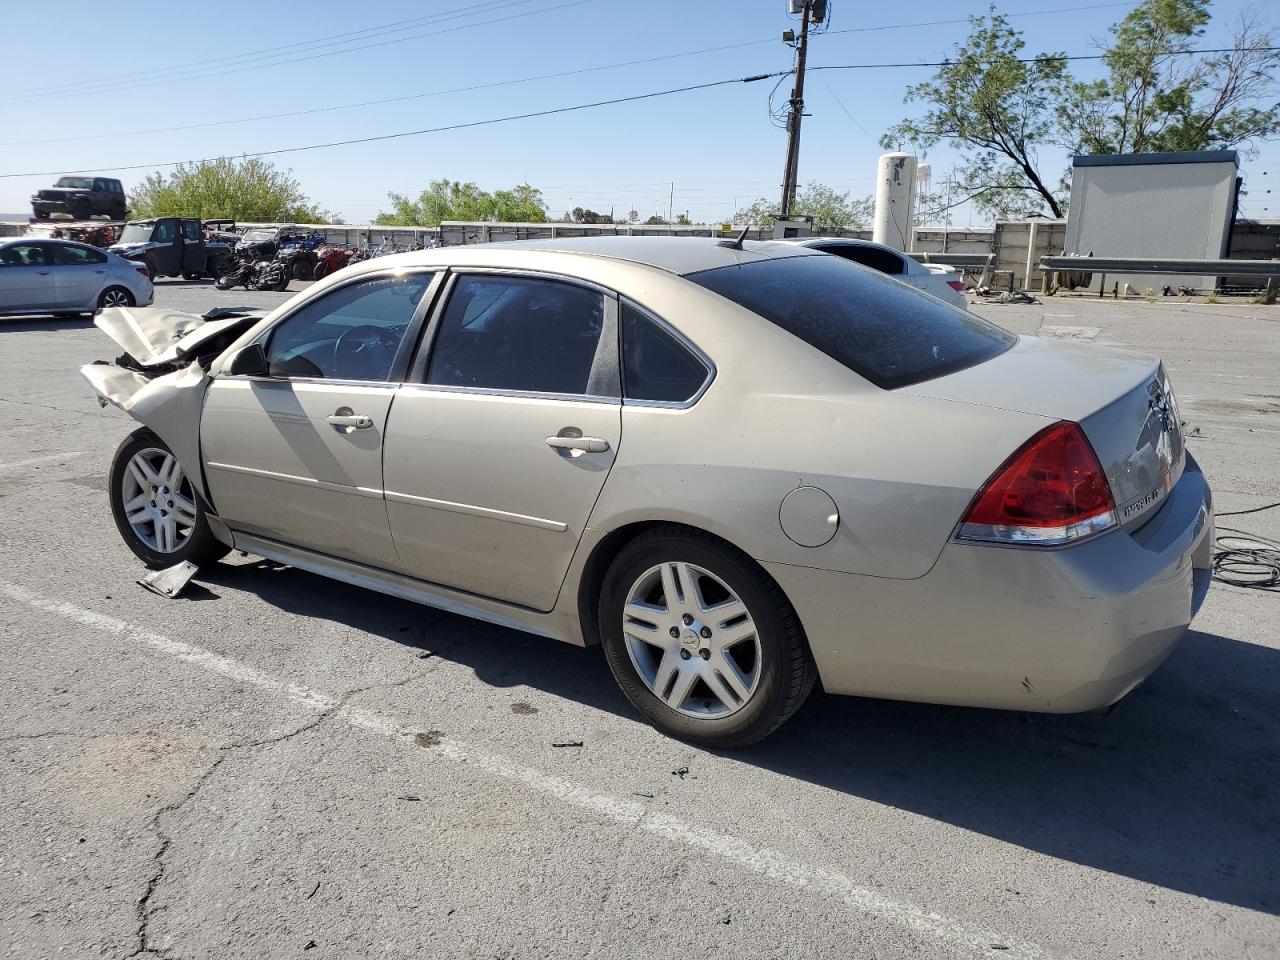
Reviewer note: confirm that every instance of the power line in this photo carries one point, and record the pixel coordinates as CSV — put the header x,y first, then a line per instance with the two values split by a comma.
x,y
405,97
415,133
97,84
1046,56
955,20
570,109
110,88
391,27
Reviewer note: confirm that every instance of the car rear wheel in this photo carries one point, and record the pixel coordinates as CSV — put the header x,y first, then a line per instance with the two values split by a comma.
x,y
115,297
701,641
156,509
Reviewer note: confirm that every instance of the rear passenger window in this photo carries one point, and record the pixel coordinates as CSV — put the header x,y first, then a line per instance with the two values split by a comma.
x,y
526,334
65,255
655,365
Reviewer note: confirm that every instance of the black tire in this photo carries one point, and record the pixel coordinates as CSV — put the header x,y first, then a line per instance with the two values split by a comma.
x,y
81,211
787,670
302,269
321,271
115,293
201,546
42,214
193,276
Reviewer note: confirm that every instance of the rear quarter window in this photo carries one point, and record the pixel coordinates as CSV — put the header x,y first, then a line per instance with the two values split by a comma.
x,y
883,330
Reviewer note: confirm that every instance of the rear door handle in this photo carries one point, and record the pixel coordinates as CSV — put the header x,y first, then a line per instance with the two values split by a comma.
x,y
583,444
42,273
356,421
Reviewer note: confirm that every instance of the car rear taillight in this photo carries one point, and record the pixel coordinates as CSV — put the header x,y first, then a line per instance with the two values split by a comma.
x,y
956,285
143,269
1051,491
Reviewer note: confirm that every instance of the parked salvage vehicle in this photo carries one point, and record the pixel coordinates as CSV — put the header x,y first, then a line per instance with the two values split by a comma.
x,y
740,467
81,198
941,281
172,247
40,276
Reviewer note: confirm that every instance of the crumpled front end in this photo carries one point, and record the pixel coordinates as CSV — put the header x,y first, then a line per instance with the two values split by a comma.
x,y
161,378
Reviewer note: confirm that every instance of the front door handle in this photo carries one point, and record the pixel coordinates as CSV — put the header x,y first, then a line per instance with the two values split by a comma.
x,y
42,273
351,421
581,444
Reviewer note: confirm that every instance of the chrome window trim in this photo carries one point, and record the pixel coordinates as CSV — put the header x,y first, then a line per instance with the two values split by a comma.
x,y
309,381
707,363
420,367
512,394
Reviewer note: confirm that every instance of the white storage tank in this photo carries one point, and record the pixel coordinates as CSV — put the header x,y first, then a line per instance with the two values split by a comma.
x,y
895,193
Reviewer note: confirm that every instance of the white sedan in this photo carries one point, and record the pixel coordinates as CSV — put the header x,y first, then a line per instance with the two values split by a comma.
x,y
941,281
59,276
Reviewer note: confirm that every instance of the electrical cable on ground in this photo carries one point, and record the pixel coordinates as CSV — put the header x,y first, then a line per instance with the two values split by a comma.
x,y
1244,559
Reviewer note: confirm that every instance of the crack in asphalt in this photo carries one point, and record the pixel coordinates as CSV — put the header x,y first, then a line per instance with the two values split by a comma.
x,y
145,908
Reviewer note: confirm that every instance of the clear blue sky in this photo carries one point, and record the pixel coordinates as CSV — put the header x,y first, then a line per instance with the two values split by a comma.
x,y
717,146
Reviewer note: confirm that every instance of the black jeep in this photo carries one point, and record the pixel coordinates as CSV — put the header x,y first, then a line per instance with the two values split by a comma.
x,y
81,198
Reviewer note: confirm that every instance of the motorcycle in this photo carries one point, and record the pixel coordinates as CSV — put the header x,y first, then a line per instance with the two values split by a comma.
x,y
255,275
330,259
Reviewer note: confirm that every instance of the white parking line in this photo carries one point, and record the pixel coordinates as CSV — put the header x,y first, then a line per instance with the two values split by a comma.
x,y
47,458
768,863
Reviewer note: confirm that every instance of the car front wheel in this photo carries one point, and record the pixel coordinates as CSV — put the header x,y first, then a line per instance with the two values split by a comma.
x,y
156,509
701,641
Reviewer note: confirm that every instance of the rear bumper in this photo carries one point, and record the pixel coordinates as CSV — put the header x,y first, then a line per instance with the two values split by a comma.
x,y
1061,630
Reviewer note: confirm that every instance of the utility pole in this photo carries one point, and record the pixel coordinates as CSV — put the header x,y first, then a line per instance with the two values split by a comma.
x,y
790,171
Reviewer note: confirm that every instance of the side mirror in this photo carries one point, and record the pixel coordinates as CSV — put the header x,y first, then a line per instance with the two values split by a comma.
x,y
250,361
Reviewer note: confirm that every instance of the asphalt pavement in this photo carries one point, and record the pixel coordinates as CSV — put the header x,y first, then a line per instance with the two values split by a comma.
x,y
280,765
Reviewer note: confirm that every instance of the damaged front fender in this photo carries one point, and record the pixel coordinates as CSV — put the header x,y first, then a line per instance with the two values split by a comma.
x,y
169,405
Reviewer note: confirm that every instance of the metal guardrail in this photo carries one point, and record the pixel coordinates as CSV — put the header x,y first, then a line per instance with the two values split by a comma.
x,y
966,260
1267,269
1217,268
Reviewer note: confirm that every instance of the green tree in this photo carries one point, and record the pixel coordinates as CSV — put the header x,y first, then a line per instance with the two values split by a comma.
x,y
249,189
656,220
582,215
1157,97
995,110
829,209
455,200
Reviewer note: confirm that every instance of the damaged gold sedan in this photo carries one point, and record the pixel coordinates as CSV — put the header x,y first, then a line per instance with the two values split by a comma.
x,y
740,467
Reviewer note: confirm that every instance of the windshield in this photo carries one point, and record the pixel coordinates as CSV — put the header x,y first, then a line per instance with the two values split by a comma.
x,y
137,232
257,236
883,330
79,183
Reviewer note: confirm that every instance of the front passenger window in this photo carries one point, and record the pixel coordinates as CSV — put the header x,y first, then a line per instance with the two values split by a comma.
x,y
352,333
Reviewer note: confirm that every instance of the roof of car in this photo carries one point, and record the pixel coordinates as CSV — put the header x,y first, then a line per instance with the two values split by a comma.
x,y
680,255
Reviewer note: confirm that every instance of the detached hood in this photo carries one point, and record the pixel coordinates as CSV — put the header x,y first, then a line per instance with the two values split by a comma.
x,y
155,337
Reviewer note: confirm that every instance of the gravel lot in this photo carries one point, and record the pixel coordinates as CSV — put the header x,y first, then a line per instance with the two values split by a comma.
x,y
279,765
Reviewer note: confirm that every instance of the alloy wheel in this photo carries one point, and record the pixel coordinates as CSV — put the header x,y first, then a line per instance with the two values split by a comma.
x,y
115,298
692,640
159,502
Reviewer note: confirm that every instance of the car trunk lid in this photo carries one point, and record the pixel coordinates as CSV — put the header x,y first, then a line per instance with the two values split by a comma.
x,y
1122,401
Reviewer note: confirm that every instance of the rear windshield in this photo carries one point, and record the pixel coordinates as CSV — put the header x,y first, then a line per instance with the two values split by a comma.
x,y
883,330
